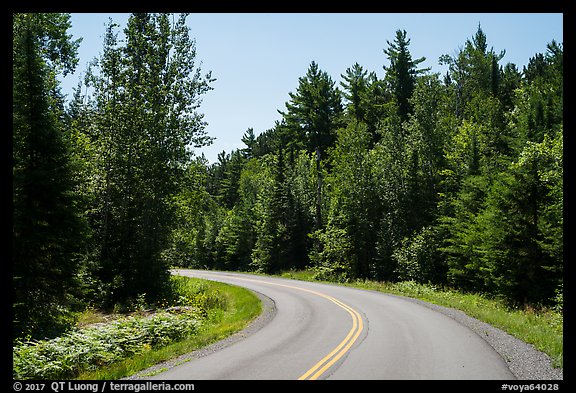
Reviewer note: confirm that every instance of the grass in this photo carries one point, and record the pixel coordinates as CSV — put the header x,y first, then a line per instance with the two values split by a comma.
x,y
543,328
237,307
112,346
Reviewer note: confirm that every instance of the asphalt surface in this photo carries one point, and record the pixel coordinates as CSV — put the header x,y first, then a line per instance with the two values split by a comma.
x,y
321,331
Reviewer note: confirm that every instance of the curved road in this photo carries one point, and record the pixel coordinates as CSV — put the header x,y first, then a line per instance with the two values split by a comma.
x,y
330,332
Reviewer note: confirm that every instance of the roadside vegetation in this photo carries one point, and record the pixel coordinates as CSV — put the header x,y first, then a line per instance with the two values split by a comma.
x,y
197,313
540,326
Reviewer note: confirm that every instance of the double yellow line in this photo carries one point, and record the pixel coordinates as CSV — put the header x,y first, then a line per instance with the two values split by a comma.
x,y
357,326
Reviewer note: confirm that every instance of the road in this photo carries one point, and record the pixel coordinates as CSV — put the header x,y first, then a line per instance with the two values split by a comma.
x,y
325,331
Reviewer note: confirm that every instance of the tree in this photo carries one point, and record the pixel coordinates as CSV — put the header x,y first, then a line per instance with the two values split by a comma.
x,y
48,226
196,213
426,141
402,72
270,250
355,87
522,238
418,258
540,98
510,80
506,237
250,141
473,71
354,204
390,162
225,177
313,112
365,96
145,100
505,171
463,239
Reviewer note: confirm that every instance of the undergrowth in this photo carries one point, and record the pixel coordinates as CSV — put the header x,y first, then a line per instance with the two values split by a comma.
x,y
98,344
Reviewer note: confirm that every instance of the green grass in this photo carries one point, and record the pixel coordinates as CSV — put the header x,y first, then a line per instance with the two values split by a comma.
x,y
237,307
121,345
542,328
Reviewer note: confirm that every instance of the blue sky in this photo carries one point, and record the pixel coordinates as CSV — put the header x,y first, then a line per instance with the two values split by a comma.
x,y
258,58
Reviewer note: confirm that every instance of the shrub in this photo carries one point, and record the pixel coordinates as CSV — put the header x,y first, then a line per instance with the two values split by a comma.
x,y
418,258
94,346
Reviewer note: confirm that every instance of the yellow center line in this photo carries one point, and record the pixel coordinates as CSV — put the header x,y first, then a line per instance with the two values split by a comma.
x,y
326,362
338,352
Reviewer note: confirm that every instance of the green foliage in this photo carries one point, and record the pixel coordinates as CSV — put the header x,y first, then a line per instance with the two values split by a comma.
x,y
235,240
313,111
275,237
523,238
100,190
146,92
473,72
100,344
506,234
354,203
418,258
335,260
197,220
402,72
49,229
364,96
91,347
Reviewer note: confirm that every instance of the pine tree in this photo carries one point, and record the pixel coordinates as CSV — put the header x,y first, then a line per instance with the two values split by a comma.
x,y
355,87
314,112
473,72
250,141
48,228
402,72
270,250
355,207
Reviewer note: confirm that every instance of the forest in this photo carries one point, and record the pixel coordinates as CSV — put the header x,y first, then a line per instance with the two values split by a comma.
x,y
454,180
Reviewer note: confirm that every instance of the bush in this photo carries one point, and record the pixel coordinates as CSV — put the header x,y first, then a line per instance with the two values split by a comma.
x,y
82,349
95,346
418,258
332,259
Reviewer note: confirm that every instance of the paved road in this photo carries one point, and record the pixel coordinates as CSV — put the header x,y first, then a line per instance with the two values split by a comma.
x,y
329,332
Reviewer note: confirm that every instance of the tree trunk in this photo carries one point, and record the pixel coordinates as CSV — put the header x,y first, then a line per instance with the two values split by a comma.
x,y
318,218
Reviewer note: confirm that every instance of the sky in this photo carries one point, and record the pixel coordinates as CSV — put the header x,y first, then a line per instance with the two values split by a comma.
x,y
257,58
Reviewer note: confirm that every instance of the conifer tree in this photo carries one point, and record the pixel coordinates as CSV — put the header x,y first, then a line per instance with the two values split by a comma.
x,y
48,227
402,72
314,112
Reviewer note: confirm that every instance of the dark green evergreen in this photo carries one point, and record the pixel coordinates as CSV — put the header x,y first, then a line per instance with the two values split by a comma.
x,y
402,72
48,225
